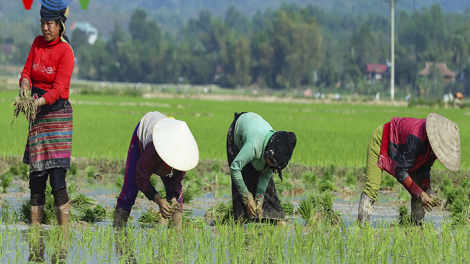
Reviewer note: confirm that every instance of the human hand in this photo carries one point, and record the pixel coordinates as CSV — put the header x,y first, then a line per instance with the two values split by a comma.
x,y
24,87
165,208
430,193
426,201
259,208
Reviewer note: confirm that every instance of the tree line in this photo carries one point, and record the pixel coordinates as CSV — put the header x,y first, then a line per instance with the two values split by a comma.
x,y
290,47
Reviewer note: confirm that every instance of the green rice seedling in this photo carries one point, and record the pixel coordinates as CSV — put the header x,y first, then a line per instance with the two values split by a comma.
x,y
309,179
404,218
14,170
25,106
318,208
24,172
72,189
152,216
221,213
307,211
120,182
217,166
153,180
288,207
326,185
100,212
388,181
73,169
223,180
460,212
6,178
193,222
188,193
122,171
90,172
49,207
454,194
25,212
89,215
7,214
350,179
404,195
282,185
82,200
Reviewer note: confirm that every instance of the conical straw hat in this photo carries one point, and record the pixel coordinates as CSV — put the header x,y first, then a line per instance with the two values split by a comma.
x,y
443,135
175,144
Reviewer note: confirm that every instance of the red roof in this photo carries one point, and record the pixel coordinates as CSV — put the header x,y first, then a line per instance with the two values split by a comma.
x,y
377,68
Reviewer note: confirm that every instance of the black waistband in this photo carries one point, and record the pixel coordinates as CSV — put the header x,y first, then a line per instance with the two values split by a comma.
x,y
58,105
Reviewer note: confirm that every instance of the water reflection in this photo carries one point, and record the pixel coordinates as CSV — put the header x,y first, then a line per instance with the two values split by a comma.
x,y
37,247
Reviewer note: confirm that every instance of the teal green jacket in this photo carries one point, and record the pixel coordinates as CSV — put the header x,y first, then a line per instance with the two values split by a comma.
x,y
251,135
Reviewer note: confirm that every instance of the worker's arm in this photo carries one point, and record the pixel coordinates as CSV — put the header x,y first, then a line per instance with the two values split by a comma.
x,y
263,182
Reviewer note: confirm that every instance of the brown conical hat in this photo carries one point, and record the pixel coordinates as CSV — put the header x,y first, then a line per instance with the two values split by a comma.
x,y
444,137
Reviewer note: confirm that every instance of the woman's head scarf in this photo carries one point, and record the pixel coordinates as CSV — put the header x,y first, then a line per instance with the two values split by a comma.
x,y
279,149
53,15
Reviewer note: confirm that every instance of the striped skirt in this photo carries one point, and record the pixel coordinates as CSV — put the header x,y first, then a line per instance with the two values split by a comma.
x,y
49,143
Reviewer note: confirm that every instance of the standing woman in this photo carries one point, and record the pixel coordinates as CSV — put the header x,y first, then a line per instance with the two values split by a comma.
x,y
254,151
46,75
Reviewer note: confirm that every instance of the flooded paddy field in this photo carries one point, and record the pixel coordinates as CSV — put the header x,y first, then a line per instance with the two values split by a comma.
x,y
203,240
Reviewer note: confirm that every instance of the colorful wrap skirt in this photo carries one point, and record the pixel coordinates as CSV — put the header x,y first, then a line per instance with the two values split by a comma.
x,y
49,142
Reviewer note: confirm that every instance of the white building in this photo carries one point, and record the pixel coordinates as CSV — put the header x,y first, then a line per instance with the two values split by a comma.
x,y
90,31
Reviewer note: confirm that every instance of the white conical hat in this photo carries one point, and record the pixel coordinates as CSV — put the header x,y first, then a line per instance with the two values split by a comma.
x,y
175,144
444,137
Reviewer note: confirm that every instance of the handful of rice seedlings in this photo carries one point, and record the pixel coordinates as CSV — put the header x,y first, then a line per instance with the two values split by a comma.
x,y
24,105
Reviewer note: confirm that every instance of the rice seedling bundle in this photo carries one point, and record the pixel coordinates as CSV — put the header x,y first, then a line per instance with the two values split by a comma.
x,y
24,105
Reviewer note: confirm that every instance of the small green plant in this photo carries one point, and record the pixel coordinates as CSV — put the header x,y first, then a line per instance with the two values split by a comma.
x,y
404,218
217,166
460,212
326,185
282,185
309,179
89,215
288,207
221,213
319,208
100,212
120,182
73,169
122,171
25,212
14,170
72,189
388,181
150,217
82,200
403,195
350,179
24,172
90,172
6,178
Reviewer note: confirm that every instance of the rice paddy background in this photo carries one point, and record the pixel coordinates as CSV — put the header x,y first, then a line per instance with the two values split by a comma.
x,y
327,162
326,133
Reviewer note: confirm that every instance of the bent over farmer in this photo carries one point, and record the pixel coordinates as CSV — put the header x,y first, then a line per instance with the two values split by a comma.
x,y
407,148
166,147
46,75
254,151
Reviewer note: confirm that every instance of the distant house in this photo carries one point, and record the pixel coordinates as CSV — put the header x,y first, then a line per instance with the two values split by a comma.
x,y
8,49
90,31
449,76
375,71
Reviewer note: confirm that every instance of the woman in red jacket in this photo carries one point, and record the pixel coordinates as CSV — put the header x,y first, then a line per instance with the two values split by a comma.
x,y
406,148
46,76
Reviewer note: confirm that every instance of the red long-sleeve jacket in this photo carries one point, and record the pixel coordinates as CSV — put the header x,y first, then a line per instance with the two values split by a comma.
x,y
49,66
405,148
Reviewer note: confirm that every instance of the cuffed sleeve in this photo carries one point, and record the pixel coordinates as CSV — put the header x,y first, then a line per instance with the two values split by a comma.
x,y
412,188
246,154
263,182
425,175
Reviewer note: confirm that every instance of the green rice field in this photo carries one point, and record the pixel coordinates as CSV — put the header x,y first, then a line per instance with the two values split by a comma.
x,y
326,133
319,193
